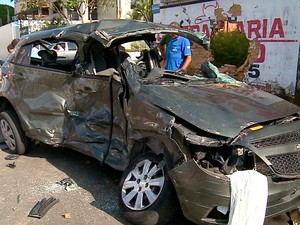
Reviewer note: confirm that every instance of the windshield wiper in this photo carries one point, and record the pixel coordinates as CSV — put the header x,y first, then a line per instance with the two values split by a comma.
x,y
158,73
174,74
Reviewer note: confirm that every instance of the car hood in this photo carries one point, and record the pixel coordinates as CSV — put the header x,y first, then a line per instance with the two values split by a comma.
x,y
219,108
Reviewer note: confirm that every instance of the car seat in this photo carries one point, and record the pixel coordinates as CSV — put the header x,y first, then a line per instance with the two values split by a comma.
x,y
151,60
97,60
48,56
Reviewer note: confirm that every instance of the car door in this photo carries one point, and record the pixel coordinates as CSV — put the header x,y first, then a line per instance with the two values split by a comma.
x,y
40,95
82,112
98,121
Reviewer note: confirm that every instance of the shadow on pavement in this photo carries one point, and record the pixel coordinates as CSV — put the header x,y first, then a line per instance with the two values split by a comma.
x,y
101,181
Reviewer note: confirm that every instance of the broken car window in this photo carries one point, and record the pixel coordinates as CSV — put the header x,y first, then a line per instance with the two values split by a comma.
x,y
23,55
45,54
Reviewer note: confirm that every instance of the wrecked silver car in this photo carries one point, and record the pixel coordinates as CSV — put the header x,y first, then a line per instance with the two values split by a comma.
x,y
177,138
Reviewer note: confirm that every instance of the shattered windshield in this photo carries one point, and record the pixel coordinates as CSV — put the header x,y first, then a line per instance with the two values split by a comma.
x,y
208,73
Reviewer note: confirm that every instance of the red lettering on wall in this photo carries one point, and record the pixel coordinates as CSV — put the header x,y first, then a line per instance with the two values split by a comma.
x,y
262,54
277,28
193,27
205,29
259,29
265,24
254,27
240,26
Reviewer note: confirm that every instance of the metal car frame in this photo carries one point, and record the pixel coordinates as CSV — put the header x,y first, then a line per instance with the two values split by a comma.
x,y
172,135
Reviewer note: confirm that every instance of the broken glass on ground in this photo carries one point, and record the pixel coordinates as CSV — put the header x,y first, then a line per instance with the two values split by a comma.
x,y
68,184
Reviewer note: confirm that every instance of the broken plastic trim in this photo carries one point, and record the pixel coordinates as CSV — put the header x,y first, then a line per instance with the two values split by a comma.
x,y
11,157
42,207
11,165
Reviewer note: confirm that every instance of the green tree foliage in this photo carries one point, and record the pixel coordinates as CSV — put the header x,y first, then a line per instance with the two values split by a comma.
x,y
229,48
80,6
138,46
141,10
54,23
3,13
83,6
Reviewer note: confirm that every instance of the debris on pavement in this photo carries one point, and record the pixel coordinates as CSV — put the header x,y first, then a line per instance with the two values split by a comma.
x,y
18,198
11,165
68,183
12,157
67,215
42,207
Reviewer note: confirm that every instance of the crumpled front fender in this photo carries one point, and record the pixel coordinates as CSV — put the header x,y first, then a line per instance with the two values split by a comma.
x,y
199,191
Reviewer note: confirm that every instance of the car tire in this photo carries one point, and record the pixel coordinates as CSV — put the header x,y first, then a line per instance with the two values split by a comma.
x,y
12,133
146,193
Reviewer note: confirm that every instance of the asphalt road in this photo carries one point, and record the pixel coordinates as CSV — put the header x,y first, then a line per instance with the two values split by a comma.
x,y
91,199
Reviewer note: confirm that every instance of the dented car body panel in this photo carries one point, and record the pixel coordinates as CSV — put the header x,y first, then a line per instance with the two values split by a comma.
x,y
205,128
192,186
234,106
215,188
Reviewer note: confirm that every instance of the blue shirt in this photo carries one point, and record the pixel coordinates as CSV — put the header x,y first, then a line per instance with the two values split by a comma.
x,y
177,50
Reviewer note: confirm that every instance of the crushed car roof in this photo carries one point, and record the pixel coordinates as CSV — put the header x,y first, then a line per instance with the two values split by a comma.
x,y
106,31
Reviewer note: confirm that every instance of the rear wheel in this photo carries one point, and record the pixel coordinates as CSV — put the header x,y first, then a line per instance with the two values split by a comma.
x,y
146,193
12,133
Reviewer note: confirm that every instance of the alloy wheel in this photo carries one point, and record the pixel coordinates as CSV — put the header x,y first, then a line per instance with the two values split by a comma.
x,y
8,134
143,185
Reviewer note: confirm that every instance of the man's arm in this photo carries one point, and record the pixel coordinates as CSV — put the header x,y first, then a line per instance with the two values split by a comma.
x,y
187,62
162,51
188,55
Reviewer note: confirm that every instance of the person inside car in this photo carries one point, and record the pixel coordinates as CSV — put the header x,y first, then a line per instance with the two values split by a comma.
x,y
58,48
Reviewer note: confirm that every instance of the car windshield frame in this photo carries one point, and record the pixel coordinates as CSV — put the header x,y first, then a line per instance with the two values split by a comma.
x,y
110,31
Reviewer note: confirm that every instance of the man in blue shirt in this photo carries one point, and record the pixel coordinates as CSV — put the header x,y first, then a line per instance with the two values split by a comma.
x,y
178,54
165,41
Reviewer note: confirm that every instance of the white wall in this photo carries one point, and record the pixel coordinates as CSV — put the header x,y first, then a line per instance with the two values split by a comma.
x,y
125,8
274,22
109,14
8,33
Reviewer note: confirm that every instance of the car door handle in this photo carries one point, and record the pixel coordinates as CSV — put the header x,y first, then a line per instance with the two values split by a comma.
x,y
20,76
88,90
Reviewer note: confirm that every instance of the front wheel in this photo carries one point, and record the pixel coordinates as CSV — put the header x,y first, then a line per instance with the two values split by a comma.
x,y
146,193
12,133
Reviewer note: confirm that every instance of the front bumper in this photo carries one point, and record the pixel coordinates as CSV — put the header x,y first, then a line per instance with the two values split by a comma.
x,y
200,192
